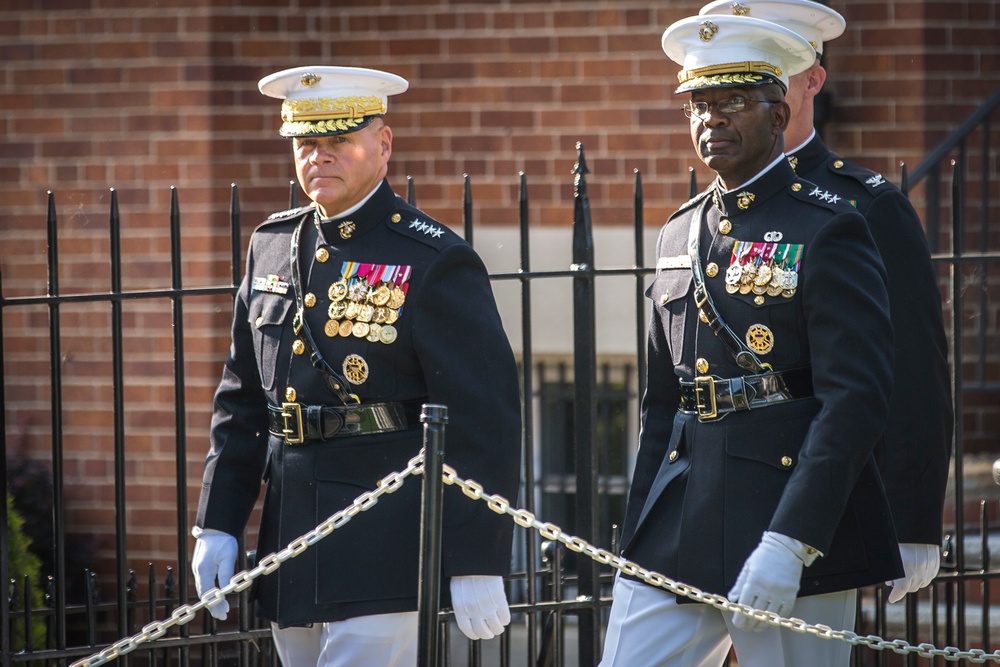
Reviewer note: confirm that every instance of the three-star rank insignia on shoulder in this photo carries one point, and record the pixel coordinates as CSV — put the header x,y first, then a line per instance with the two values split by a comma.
x,y
825,195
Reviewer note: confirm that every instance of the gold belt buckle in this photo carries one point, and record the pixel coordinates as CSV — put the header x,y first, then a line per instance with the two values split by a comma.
x,y
706,410
290,412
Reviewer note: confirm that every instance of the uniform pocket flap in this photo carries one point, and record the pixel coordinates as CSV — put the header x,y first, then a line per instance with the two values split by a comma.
x,y
268,309
773,443
670,285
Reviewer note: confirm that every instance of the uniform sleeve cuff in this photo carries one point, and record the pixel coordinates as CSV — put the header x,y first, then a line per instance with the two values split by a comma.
x,y
806,553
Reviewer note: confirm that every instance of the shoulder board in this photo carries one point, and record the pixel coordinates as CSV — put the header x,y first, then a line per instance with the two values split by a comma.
x,y
818,195
289,214
868,178
416,225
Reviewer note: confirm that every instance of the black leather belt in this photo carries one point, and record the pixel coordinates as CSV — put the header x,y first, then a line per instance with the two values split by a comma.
x,y
712,398
297,423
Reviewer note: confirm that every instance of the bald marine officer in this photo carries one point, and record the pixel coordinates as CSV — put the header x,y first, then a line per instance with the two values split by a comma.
x,y
768,381
354,311
917,447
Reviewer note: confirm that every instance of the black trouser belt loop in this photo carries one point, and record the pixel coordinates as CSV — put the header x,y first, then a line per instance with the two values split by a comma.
x,y
712,397
296,423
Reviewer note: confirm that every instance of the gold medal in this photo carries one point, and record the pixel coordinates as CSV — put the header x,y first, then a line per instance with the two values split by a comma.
x,y
338,290
373,333
355,369
353,310
346,328
788,293
763,276
381,295
746,288
381,315
759,289
397,297
332,328
366,312
393,316
773,289
360,329
387,334
732,288
337,309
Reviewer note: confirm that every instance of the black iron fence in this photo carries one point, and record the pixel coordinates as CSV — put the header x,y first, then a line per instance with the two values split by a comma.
x,y
558,597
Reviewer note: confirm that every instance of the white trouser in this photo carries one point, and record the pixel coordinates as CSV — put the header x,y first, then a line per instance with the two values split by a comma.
x,y
387,640
648,628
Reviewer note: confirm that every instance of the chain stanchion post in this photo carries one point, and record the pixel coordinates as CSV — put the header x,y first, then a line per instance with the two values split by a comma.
x,y
434,418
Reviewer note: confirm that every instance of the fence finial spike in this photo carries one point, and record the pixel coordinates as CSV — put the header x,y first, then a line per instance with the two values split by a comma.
x,y
581,162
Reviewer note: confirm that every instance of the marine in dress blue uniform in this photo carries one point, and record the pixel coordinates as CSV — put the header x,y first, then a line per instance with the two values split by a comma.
x,y
343,327
914,457
768,382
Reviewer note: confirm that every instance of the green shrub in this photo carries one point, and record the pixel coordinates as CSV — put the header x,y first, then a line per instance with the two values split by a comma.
x,y
21,563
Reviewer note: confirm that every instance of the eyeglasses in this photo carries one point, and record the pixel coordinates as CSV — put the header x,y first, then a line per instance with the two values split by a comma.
x,y
733,104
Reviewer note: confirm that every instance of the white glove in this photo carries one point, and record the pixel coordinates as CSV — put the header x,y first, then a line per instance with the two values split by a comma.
x,y
769,580
920,566
214,557
480,605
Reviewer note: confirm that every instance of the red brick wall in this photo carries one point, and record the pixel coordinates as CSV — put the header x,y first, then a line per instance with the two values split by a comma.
x,y
140,96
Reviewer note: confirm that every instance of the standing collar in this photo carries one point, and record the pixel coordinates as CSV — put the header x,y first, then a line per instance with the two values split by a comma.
x,y
757,190
809,156
361,219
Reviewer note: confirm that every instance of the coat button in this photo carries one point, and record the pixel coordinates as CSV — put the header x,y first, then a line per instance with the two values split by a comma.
x,y
838,164
701,365
298,347
290,394
712,269
673,455
786,461
759,300
322,254
309,299
664,298
725,226
396,217
796,187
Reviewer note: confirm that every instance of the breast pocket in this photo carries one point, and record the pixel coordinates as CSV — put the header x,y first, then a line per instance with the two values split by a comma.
x,y
771,326
267,314
671,297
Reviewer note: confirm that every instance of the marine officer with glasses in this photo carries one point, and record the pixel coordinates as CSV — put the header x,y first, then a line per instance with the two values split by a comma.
x,y
354,311
915,454
767,386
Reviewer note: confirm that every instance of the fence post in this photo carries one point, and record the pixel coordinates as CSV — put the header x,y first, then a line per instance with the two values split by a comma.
x,y
585,407
434,418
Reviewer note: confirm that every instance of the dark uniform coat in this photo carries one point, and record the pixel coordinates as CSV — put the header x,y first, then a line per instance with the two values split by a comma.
x,y
704,492
918,432
450,349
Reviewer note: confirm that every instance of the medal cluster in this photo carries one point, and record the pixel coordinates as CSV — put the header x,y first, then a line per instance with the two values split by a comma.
x,y
770,269
367,301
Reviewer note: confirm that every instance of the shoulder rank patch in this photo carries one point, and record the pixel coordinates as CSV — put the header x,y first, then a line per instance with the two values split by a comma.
x,y
427,229
825,195
876,180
